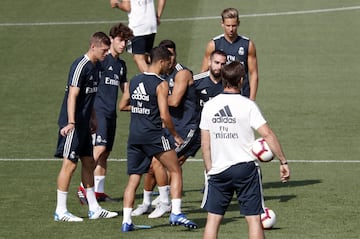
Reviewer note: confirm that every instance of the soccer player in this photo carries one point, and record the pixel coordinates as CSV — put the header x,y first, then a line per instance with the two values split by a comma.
x,y
183,109
113,77
208,84
143,21
147,99
74,130
227,127
238,48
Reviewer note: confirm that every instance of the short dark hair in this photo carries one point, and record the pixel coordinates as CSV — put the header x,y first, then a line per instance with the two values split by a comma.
x,y
168,44
121,30
218,52
232,74
99,38
159,53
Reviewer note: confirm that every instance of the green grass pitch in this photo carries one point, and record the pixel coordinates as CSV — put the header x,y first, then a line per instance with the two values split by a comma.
x,y
308,56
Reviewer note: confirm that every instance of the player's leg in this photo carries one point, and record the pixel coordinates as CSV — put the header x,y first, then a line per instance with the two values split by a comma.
x,y
255,227
136,166
87,177
149,184
212,226
141,62
160,173
250,197
140,48
170,161
65,145
103,143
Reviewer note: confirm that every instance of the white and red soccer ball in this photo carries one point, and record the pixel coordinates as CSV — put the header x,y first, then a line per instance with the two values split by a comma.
x,y
268,218
261,150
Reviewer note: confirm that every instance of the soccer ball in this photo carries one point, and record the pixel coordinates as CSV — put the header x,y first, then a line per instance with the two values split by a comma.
x,y
261,150
268,218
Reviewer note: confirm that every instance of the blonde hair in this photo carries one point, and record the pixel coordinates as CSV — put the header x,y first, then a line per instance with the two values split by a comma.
x,y
230,13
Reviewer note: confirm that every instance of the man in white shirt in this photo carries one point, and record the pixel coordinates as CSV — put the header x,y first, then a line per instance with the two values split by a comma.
x,y
143,21
227,128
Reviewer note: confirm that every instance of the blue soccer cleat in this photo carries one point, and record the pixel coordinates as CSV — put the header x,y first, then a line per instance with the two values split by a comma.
x,y
180,219
127,227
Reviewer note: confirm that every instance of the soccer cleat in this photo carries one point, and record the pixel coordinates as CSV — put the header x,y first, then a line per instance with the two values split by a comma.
x,y
180,219
101,213
66,217
160,210
141,209
156,201
103,197
81,194
127,227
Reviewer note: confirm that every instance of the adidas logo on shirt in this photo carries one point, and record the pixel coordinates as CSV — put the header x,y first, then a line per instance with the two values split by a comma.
x,y
140,93
224,116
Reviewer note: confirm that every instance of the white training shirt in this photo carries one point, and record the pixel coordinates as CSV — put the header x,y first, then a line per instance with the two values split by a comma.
x,y
142,17
231,120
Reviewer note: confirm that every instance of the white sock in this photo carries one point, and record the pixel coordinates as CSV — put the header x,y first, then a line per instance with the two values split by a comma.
x,y
176,206
127,215
99,184
147,197
90,195
164,194
61,202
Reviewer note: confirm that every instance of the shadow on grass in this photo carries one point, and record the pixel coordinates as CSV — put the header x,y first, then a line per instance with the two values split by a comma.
x,y
299,183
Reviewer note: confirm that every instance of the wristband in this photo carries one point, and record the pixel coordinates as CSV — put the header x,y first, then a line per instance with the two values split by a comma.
x,y
72,123
281,163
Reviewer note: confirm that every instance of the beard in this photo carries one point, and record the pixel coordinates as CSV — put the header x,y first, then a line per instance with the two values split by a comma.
x,y
216,74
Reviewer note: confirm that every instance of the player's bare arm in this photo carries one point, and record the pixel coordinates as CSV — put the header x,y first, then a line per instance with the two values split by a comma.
x,y
162,95
205,147
270,137
253,70
209,48
123,5
124,103
182,80
71,107
160,9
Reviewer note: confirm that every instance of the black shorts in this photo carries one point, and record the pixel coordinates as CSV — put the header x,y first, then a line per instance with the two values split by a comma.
x,y
242,178
105,131
192,141
141,44
139,155
76,144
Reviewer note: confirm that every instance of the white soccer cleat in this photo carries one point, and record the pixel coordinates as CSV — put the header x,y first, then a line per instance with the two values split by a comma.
x,y
160,210
101,213
156,201
141,209
67,217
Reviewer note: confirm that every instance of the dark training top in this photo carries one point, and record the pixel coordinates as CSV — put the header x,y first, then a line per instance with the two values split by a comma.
x,y
236,51
85,75
113,74
145,122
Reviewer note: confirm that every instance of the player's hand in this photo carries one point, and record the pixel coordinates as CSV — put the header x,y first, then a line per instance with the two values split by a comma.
x,y
284,173
178,140
114,3
67,129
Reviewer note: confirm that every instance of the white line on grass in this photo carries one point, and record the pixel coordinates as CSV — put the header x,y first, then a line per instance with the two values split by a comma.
x,y
186,19
199,160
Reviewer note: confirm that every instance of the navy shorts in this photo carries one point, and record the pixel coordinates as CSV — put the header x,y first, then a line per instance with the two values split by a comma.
x,y
192,141
76,144
242,178
105,132
141,44
139,155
